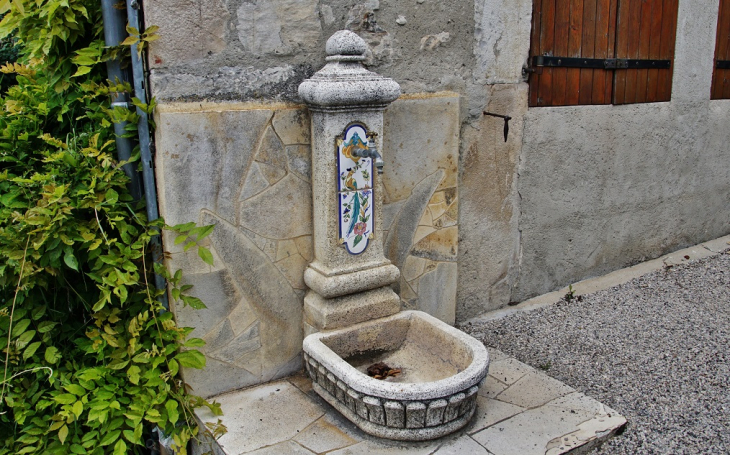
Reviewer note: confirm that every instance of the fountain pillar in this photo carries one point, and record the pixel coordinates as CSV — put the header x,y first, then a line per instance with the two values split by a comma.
x,y
349,277
395,374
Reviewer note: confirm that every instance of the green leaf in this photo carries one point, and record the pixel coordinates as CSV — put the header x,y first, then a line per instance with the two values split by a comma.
x,y
78,408
71,260
46,326
25,338
81,71
194,343
205,255
358,238
172,414
65,398
183,227
37,313
52,355
63,433
118,365
202,232
111,196
194,302
20,327
133,374
174,367
31,349
110,437
75,389
191,359
120,448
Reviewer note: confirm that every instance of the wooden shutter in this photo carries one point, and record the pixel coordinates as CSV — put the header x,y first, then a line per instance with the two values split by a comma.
x,y
572,28
721,77
646,30
600,29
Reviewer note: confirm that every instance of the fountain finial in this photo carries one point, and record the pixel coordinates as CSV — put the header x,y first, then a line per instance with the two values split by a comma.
x,y
347,44
344,84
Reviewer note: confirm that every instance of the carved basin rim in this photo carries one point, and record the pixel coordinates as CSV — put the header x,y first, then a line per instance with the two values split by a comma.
x,y
472,375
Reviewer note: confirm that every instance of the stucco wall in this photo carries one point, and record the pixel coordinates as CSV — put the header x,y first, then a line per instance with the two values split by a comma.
x,y
607,186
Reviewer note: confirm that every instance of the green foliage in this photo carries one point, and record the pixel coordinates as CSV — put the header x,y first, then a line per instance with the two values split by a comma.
x,y
90,359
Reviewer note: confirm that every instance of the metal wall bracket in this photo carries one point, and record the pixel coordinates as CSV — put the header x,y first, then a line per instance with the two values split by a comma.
x,y
599,63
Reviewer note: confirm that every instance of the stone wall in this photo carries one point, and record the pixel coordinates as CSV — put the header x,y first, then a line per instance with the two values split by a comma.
x,y
246,168
473,222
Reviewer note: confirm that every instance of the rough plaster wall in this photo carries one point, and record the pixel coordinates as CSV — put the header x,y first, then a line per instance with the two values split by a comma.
x,y
243,49
603,187
489,236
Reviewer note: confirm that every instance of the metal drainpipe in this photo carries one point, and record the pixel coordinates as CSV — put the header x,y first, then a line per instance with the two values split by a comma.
x,y
145,144
114,33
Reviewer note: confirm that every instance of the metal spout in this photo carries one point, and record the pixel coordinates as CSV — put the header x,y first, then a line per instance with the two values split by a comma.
x,y
371,152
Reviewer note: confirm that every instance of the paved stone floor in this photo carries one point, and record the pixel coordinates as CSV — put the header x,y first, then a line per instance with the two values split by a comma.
x,y
520,411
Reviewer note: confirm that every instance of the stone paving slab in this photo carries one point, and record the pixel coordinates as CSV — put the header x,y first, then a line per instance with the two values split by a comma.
x,y
520,411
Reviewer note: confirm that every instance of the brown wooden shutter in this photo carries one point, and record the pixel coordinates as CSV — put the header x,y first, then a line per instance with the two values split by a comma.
x,y
572,28
600,29
646,30
721,77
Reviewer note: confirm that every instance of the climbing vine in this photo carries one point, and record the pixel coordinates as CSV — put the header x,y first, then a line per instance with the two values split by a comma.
x,y
90,359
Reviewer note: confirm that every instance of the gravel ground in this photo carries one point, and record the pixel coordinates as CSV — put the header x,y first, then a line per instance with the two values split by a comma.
x,y
655,349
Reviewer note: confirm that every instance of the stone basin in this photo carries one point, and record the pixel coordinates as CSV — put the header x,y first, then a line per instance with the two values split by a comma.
x,y
435,392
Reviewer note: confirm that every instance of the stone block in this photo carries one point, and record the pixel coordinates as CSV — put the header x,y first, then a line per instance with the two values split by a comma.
x,y
415,415
292,126
202,157
288,208
452,409
437,292
262,416
328,314
405,224
376,414
325,435
190,30
435,412
421,135
535,431
489,412
280,28
287,447
395,414
489,245
462,446
534,389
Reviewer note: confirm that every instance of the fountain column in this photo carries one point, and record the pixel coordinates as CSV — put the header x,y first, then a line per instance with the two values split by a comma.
x,y
349,277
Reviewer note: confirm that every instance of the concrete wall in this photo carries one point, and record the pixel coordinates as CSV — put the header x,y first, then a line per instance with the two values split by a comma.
x,y
573,192
603,187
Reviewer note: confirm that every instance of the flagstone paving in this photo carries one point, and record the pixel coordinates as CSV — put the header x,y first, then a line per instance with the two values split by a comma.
x,y
520,411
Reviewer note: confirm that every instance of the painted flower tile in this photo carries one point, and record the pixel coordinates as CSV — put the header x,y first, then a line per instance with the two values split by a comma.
x,y
355,184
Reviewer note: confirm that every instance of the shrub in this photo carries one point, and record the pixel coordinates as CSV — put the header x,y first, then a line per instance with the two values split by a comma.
x,y
90,359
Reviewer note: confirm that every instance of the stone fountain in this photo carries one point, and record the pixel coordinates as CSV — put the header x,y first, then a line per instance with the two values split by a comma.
x,y
351,314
